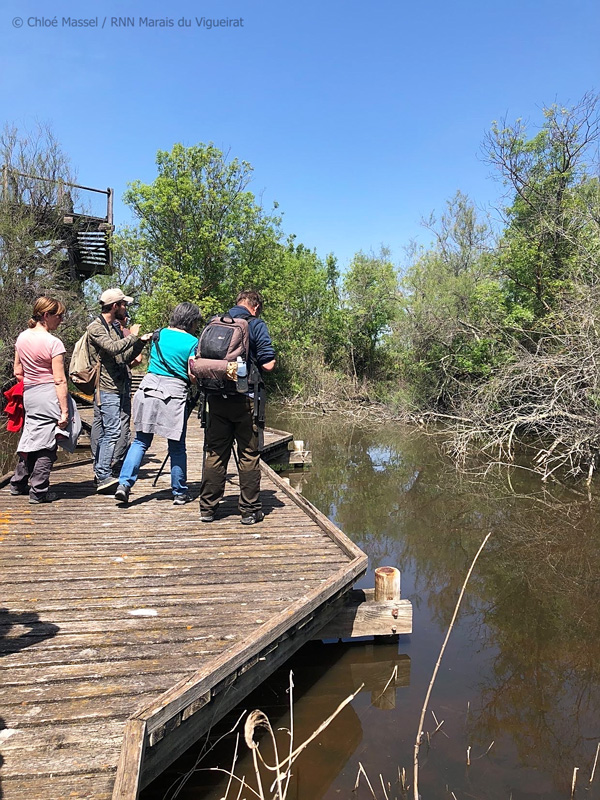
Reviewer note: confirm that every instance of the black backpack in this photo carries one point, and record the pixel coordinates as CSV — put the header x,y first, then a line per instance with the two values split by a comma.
x,y
222,342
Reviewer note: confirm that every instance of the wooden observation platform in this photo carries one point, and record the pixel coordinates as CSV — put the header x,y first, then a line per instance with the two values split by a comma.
x,y
126,632
82,240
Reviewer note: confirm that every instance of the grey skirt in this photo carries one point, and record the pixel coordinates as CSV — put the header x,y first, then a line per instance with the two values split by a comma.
x,y
42,412
159,406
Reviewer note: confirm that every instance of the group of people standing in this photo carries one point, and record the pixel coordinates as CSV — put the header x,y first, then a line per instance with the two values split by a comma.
x,y
159,406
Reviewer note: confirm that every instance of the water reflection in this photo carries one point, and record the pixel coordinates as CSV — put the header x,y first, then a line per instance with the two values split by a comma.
x,y
530,622
522,668
323,676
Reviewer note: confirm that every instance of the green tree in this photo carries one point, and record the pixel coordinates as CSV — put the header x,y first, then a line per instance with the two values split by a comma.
x,y
533,382
371,303
540,251
303,314
452,306
202,236
198,218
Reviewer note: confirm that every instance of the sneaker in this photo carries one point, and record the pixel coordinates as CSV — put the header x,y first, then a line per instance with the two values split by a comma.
x,y
36,499
253,518
107,486
14,490
122,494
207,516
181,499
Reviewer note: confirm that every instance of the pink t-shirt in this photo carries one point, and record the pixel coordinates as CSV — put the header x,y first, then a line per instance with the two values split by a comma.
x,y
36,349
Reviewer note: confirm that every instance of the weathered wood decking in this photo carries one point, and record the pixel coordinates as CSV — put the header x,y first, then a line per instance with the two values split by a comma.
x,y
125,632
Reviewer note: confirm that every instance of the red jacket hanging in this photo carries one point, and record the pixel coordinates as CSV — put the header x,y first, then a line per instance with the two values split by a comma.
x,y
14,409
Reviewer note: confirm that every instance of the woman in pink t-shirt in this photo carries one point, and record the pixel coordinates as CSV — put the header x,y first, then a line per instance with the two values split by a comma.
x,y
50,414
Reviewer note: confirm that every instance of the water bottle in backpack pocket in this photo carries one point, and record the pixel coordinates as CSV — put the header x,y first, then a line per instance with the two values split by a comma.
x,y
242,375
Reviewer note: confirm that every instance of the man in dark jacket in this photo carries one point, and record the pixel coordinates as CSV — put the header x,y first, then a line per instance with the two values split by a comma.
x,y
232,417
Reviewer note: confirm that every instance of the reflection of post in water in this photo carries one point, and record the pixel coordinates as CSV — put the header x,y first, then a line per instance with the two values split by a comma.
x,y
324,675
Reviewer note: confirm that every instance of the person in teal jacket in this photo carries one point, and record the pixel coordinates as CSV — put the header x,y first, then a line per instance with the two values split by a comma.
x,y
160,402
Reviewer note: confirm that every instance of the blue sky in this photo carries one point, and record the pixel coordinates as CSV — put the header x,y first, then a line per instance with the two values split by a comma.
x,y
359,119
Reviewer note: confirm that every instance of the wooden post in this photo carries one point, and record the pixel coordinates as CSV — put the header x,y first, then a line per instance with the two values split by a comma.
x,y
109,206
387,583
387,587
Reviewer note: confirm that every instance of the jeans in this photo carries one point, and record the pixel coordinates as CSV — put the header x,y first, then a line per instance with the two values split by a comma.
x,y
135,454
110,417
124,439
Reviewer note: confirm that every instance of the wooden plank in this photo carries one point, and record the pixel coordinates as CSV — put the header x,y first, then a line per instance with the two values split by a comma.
x,y
79,649
110,686
63,749
96,785
164,637
54,712
127,780
247,574
188,609
42,659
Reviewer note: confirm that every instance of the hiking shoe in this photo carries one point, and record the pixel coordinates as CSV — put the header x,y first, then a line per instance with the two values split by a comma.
x,y
122,494
36,499
253,518
207,516
107,486
182,499
14,490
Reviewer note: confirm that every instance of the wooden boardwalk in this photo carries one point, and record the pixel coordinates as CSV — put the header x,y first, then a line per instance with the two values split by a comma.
x,y
125,632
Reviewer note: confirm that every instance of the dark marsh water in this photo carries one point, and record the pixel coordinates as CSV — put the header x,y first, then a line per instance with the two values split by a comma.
x,y
522,667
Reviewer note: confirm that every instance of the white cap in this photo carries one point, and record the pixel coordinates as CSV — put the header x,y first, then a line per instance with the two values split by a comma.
x,y
111,296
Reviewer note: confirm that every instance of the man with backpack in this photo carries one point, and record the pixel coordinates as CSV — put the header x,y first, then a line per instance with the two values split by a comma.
x,y
234,414
112,401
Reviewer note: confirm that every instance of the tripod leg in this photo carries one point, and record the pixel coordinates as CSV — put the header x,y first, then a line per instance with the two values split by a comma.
x,y
160,471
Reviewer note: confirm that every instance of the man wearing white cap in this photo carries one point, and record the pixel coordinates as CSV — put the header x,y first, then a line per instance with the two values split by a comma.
x,y
113,400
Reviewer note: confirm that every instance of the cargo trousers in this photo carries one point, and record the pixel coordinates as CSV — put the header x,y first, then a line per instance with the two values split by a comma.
x,y
230,419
